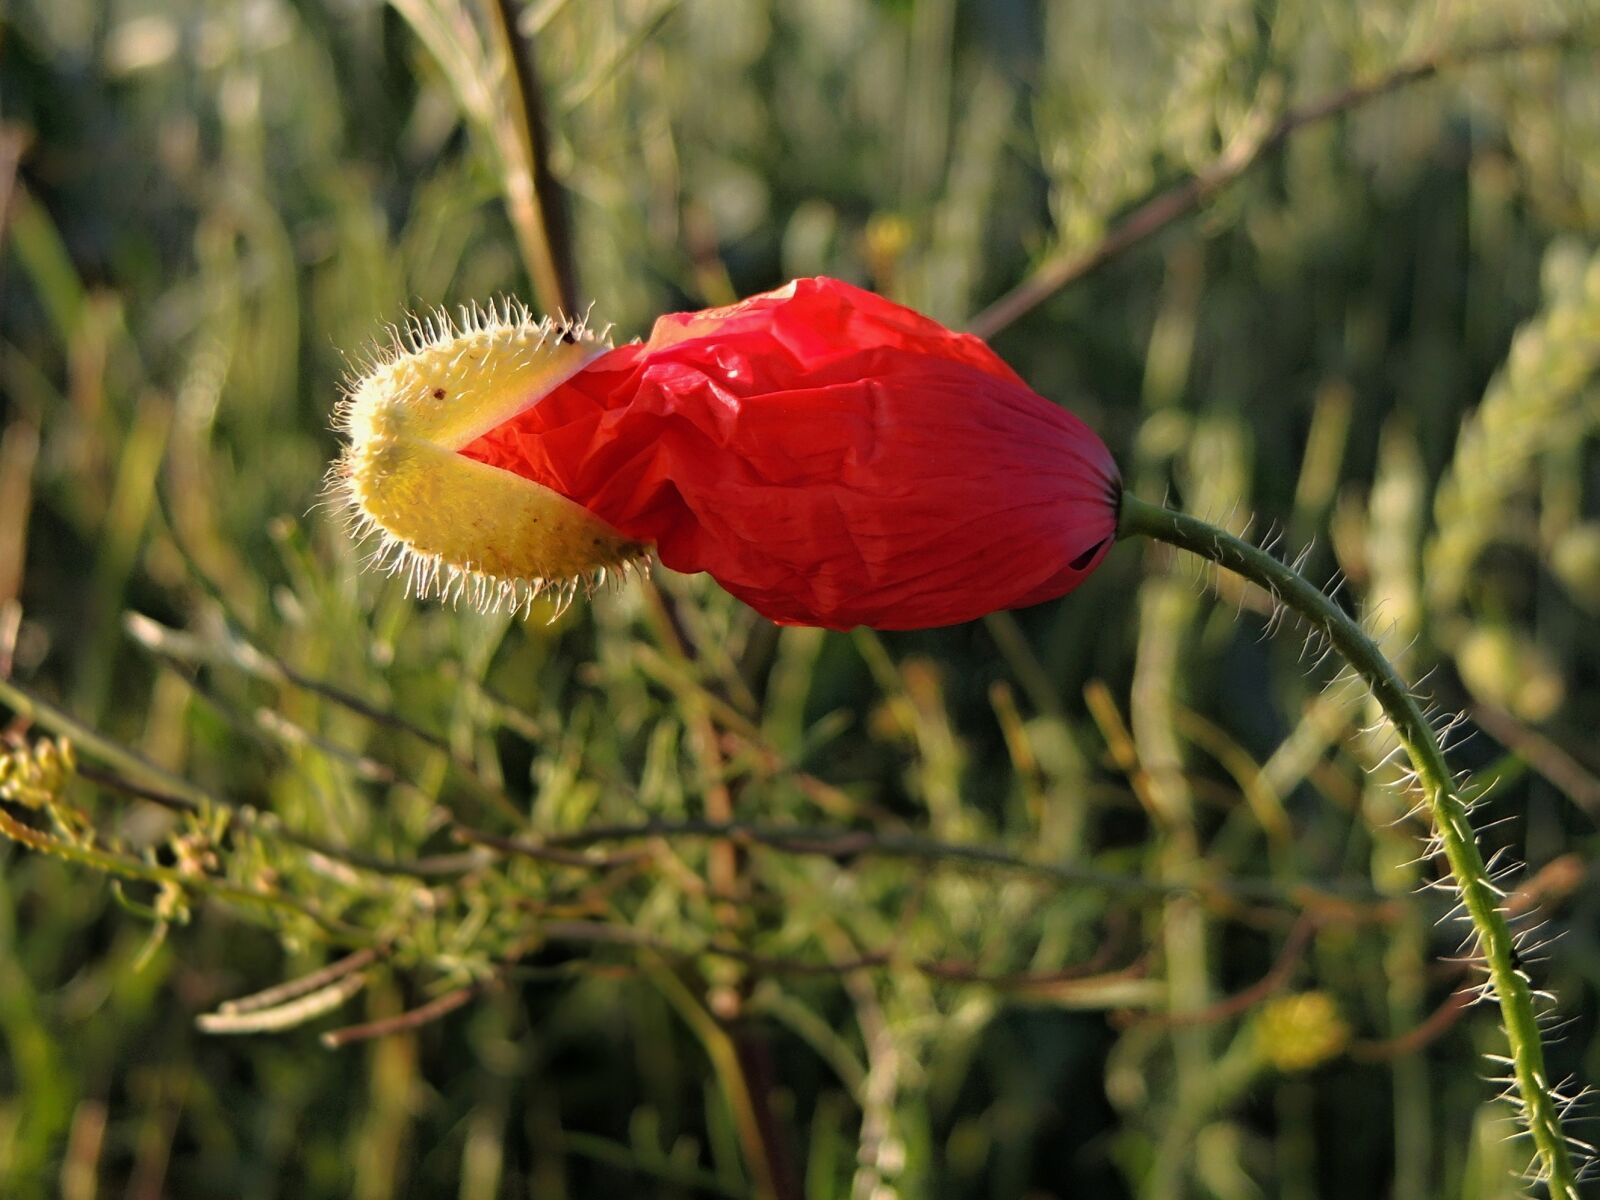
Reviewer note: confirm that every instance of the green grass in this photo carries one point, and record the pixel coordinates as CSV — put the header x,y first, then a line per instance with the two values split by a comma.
x,y
1018,909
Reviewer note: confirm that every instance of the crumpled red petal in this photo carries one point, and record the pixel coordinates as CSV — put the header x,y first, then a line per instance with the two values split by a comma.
x,y
829,457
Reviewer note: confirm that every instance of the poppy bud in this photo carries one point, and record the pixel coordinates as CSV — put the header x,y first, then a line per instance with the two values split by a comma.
x,y
829,457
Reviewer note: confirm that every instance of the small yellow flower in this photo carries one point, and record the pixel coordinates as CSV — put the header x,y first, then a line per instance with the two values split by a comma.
x,y
1301,1031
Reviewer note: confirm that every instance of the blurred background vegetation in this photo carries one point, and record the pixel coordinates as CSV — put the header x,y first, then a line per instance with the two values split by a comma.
x,y
1097,899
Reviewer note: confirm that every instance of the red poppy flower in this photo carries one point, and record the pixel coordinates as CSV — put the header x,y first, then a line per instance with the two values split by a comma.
x,y
829,457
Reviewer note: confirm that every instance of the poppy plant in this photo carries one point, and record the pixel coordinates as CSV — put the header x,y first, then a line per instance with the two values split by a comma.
x,y
833,459
828,456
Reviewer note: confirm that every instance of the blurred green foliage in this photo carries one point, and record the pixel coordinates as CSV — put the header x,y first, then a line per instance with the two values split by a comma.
x,y
1094,899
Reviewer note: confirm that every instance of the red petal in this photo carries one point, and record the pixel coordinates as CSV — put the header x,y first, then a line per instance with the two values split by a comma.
x,y
829,457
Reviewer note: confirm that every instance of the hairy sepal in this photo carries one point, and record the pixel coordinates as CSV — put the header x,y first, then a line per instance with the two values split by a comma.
x,y
455,526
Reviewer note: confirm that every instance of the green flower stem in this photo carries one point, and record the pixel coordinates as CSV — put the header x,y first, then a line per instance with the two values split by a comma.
x,y
1445,804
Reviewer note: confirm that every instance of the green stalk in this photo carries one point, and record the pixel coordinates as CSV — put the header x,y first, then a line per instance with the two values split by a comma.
x,y
1445,804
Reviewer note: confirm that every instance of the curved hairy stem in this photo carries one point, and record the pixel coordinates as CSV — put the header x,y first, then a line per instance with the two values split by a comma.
x,y
1443,799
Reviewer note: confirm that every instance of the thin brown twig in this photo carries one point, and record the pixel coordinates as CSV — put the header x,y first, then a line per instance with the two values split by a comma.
x,y
754,1057
1338,897
80,1165
411,1019
1091,972
950,970
1161,210
292,989
14,142
1430,1029
1544,755
533,196
19,453
1549,886
1277,975
545,853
